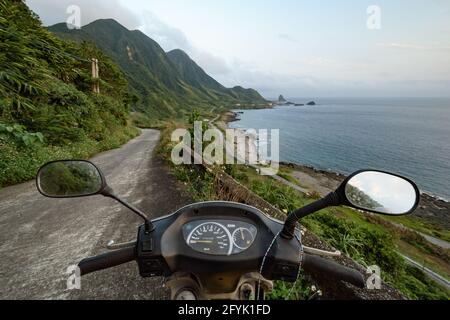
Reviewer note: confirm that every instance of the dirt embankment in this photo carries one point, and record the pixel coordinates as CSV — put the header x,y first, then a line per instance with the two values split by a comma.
x,y
434,210
229,117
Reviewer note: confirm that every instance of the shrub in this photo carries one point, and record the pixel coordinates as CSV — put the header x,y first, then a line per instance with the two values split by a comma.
x,y
16,133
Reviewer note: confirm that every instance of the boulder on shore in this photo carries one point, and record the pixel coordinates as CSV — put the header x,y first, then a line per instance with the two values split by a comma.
x,y
311,103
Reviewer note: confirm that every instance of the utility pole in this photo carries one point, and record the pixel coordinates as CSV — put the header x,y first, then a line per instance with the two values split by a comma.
x,y
95,76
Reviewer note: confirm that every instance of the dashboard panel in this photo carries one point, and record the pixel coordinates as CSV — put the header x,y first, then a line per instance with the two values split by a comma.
x,y
219,237
213,240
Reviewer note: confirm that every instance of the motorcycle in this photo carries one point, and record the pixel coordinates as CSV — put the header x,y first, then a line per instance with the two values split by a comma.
x,y
225,250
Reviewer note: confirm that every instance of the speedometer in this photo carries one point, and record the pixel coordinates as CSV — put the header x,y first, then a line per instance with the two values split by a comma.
x,y
211,238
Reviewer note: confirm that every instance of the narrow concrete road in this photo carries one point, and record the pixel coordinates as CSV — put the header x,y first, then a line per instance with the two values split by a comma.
x,y
41,237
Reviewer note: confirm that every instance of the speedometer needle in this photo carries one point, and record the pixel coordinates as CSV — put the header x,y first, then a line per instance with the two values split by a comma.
x,y
201,241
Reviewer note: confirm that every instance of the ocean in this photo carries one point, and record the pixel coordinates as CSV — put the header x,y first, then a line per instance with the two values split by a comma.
x,y
408,136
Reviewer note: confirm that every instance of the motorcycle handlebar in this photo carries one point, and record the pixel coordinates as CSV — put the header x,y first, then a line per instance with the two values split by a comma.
x,y
107,260
315,264
311,264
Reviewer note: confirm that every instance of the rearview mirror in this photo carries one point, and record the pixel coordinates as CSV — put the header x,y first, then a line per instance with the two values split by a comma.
x,y
380,192
70,179
79,178
368,190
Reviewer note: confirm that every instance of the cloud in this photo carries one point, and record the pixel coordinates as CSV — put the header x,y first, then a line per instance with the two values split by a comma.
x,y
52,12
268,83
230,72
287,37
320,62
409,46
167,36
212,64
312,76
170,38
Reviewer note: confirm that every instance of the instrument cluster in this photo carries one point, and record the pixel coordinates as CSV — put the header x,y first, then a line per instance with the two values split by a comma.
x,y
219,237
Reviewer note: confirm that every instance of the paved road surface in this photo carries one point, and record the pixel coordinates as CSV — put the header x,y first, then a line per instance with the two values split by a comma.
x,y
40,237
436,277
436,241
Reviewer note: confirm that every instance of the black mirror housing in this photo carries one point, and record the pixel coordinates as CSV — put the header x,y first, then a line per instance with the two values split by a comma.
x,y
70,179
79,178
379,192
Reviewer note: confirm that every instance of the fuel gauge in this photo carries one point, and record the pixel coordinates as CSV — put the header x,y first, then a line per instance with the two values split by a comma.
x,y
243,238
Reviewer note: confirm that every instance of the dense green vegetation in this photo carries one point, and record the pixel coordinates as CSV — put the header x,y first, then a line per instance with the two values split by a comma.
x,y
196,77
162,85
47,109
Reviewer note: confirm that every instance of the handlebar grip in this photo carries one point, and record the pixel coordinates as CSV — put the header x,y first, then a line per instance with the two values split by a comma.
x,y
107,260
316,264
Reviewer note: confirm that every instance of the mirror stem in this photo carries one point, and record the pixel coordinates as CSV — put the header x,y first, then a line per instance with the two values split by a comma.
x,y
288,231
149,227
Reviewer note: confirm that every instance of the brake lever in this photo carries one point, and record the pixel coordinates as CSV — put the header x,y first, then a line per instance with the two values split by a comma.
x,y
113,246
322,253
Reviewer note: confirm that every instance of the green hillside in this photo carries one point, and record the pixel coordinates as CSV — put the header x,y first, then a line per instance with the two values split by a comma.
x,y
196,77
47,108
163,85
193,74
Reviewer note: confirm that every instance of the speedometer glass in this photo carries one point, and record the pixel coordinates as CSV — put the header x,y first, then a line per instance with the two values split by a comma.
x,y
219,237
210,237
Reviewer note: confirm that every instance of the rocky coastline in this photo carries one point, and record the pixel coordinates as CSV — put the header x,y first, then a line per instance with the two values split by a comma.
x,y
431,208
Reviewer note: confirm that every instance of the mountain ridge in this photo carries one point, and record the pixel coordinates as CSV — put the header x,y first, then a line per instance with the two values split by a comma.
x,y
162,84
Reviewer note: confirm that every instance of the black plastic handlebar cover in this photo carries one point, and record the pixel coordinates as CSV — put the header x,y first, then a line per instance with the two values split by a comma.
x,y
314,264
107,260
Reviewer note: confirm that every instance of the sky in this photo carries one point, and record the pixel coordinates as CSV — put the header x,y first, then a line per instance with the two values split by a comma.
x,y
293,47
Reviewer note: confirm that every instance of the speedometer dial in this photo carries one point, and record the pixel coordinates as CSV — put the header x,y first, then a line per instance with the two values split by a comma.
x,y
211,238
